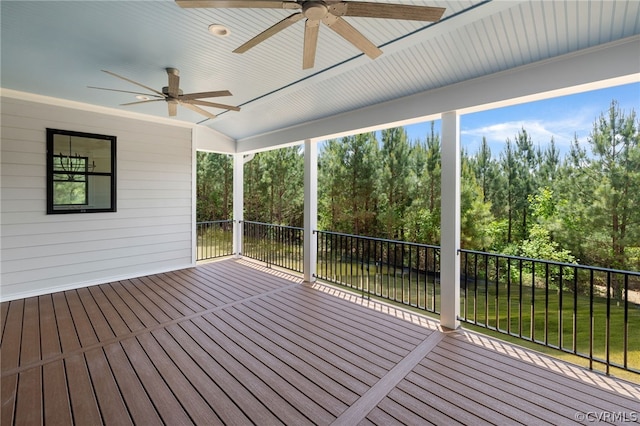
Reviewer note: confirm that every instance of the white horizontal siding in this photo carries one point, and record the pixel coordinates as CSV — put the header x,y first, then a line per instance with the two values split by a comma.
x,y
151,231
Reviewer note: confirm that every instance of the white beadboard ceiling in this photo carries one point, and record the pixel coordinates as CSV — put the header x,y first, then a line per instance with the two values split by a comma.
x,y
57,49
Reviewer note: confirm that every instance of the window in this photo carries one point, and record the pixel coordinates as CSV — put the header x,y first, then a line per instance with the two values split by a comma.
x,y
81,175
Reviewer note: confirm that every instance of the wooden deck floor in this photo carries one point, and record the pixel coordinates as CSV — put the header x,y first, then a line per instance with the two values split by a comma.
x,y
231,342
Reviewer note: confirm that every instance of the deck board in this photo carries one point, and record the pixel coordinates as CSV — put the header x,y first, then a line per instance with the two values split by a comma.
x,y
138,403
50,342
84,405
234,342
271,364
57,407
128,315
165,402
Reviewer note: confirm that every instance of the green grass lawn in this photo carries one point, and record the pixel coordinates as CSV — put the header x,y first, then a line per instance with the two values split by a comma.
x,y
214,243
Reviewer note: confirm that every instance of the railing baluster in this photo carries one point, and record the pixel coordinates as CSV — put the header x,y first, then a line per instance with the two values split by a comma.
x,y
625,336
560,313
496,298
508,295
533,301
591,320
546,304
607,338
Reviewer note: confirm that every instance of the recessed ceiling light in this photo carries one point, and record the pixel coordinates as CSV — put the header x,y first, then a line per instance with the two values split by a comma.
x,y
219,30
143,97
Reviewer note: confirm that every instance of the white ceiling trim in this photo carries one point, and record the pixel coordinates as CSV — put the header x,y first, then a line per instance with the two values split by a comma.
x,y
576,72
32,97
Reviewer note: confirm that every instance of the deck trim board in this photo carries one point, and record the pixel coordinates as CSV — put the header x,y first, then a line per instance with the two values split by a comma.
x,y
359,410
234,342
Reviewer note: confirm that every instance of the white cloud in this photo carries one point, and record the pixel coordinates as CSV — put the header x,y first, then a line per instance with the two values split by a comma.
x,y
541,132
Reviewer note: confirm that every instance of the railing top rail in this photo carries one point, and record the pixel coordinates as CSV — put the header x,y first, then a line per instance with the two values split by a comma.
x,y
384,240
273,224
552,262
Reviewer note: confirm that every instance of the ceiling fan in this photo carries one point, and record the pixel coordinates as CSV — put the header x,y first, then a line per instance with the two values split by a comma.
x,y
172,94
329,12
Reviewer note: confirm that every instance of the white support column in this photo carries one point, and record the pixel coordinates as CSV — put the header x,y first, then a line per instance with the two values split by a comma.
x,y
238,203
450,222
310,209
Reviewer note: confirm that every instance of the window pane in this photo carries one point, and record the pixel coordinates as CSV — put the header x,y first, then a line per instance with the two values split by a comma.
x,y
69,193
99,192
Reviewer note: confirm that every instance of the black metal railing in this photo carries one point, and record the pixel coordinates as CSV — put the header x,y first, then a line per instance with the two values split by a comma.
x,y
214,239
586,311
275,245
402,272
583,310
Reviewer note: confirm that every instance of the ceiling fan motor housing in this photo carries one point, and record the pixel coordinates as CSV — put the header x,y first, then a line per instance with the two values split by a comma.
x,y
165,90
315,10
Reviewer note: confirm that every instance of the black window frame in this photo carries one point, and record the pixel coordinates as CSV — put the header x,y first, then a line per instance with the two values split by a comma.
x,y
52,172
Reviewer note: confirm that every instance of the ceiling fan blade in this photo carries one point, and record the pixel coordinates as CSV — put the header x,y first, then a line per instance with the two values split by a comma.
x,y
387,11
173,108
142,102
174,82
134,82
198,110
229,4
212,105
124,91
311,30
352,35
202,95
286,22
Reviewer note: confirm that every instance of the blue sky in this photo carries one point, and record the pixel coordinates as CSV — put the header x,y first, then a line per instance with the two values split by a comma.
x,y
559,118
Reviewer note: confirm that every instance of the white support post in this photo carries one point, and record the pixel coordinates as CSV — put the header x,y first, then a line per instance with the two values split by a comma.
x,y
238,203
310,209
450,222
